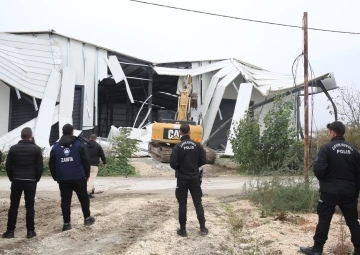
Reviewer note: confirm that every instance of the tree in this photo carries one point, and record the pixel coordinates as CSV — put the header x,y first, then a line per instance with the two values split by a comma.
x,y
348,106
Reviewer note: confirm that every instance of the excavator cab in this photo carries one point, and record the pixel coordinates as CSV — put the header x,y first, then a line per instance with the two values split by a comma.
x,y
166,133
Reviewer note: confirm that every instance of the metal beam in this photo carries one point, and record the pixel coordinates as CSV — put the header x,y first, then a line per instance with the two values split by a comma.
x,y
133,64
150,92
134,78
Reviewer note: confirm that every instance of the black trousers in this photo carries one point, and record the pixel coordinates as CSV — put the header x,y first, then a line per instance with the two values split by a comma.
x,y
182,194
326,209
29,189
66,191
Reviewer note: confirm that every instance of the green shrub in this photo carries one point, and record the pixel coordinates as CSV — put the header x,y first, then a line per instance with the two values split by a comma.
x,y
2,164
123,149
283,195
276,150
46,171
116,167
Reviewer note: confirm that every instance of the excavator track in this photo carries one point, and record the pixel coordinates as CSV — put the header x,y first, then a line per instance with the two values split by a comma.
x,y
161,152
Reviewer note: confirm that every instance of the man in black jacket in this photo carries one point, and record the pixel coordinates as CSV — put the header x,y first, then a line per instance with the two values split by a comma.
x,y
70,167
95,152
24,167
186,158
337,167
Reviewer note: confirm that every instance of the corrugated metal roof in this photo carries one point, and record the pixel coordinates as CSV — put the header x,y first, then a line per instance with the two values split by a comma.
x,y
26,63
59,34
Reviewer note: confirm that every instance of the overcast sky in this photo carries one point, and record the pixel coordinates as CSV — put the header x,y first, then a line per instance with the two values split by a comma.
x,y
161,35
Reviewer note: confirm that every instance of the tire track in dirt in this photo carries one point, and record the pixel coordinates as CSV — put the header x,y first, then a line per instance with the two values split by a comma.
x,y
122,219
134,225
44,213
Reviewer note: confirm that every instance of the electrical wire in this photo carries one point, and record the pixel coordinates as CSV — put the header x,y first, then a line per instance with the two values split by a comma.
x,y
245,19
296,60
312,80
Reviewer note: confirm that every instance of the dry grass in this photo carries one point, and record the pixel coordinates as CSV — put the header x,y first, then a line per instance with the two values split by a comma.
x,y
236,222
342,247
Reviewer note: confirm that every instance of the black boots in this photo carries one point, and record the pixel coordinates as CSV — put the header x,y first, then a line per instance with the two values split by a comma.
x,y
66,227
310,251
89,221
182,232
8,234
204,231
30,234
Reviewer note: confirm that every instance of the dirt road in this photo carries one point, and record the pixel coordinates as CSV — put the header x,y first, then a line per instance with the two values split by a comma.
x,y
136,216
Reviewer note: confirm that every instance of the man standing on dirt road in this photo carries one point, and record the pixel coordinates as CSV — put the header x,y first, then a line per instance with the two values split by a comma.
x,y
337,167
24,167
186,158
70,167
95,152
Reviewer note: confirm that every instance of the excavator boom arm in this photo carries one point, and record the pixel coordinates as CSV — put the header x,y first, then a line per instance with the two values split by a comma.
x,y
184,100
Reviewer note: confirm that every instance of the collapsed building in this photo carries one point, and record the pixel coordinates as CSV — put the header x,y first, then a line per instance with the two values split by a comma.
x,y
48,79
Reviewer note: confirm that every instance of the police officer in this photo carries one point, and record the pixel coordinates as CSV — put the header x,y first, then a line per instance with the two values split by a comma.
x,y
24,167
70,167
337,167
186,158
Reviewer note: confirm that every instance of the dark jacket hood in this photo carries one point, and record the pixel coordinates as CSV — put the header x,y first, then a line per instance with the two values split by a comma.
x,y
91,144
67,140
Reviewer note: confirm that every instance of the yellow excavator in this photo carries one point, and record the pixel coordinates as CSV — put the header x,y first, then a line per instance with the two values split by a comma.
x,y
165,134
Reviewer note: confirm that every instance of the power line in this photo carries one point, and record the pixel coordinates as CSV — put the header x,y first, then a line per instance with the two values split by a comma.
x,y
244,19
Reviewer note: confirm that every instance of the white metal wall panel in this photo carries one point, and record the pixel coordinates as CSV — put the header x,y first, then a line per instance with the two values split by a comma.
x,y
211,89
10,138
205,81
26,62
62,42
102,66
209,118
4,108
90,55
77,61
194,71
242,105
47,108
196,81
231,92
66,97
118,74
24,39
40,36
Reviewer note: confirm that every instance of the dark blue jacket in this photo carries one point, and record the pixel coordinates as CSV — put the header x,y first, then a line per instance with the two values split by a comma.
x,y
68,160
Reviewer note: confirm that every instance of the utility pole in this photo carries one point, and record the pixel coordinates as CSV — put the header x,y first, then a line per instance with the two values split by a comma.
x,y
306,99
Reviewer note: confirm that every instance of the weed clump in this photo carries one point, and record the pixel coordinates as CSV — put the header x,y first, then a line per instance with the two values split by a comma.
x,y
282,195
